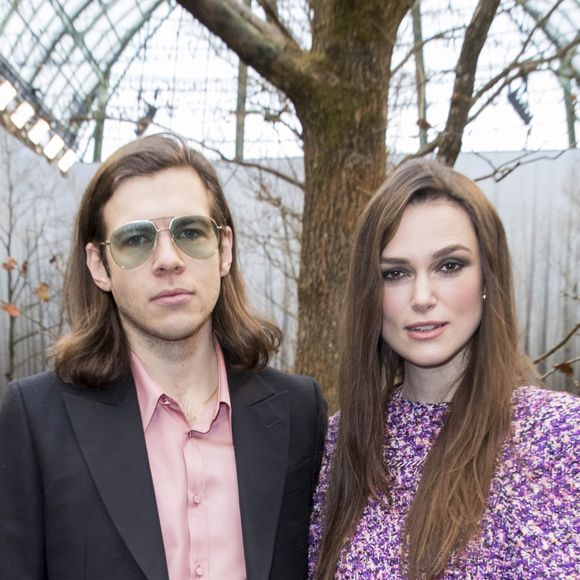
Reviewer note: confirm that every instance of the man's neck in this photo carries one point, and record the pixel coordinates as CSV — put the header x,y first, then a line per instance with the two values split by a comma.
x,y
186,370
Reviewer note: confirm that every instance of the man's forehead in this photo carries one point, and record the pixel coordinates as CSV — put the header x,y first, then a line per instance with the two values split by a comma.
x,y
170,193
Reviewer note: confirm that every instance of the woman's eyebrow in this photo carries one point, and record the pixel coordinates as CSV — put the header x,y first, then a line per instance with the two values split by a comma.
x,y
385,260
449,250
436,255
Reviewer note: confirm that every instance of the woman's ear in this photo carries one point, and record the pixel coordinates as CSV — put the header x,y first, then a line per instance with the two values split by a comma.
x,y
97,268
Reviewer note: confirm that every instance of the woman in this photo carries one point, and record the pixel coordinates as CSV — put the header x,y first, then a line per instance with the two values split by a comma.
x,y
441,463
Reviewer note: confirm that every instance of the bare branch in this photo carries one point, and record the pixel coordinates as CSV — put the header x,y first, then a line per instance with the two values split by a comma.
x,y
567,362
411,53
267,169
571,295
461,99
260,44
425,149
520,68
562,343
505,169
539,24
420,78
270,8
275,172
251,164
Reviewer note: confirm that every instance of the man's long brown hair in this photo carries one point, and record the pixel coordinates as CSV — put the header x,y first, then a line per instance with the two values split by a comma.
x,y
452,492
96,352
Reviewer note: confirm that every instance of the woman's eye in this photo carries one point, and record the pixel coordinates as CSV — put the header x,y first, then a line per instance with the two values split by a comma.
x,y
451,267
393,275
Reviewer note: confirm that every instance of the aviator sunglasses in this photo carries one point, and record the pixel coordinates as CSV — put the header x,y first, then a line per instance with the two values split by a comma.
x,y
132,243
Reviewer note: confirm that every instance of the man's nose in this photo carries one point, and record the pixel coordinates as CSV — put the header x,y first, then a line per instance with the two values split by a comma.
x,y
167,256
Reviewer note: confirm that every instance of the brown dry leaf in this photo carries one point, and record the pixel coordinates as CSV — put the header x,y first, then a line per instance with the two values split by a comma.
x,y
24,267
9,264
11,310
565,368
423,124
42,291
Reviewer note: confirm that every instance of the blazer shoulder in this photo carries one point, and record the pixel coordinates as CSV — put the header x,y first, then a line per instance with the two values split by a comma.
x,y
44,389
38,392
303,393
281,380
43,380
270,373
38,386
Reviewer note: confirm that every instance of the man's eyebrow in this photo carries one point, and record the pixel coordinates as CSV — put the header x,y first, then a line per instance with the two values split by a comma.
x,y
442,253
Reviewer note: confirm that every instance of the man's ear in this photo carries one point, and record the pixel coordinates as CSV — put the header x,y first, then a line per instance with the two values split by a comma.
x,y
97,267
226,249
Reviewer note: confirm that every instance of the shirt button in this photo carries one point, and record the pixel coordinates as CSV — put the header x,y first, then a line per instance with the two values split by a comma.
x,y
199,571
197,498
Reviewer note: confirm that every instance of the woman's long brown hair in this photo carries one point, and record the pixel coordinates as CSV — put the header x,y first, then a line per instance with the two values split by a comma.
x,y
452,492
96,352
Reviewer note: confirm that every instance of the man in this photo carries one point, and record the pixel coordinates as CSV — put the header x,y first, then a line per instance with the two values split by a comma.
x,y
162,447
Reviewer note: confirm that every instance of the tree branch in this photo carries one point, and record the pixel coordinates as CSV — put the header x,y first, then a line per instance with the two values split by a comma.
x,y
524,67
556,367
260,44
425,149
420,77
508,167
411,52
545,355
270,8
253,165
461,100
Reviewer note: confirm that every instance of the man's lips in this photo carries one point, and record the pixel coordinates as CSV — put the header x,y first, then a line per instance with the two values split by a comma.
x,y
426,330
173,296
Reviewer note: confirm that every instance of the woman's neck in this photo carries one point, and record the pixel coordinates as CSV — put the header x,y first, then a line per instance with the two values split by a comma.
x,y
433,384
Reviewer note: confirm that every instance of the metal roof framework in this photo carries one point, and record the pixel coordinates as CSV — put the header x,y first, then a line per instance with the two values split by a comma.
x,y
58,56
67,66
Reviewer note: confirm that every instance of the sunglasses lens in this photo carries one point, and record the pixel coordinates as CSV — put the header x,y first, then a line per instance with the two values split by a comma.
x,y
197,236
133,243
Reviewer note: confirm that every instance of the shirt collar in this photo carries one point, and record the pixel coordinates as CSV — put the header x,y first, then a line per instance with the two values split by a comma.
x,y
149,391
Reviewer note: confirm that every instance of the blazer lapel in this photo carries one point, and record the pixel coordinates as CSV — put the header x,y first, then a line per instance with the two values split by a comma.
x,y
260,430
107,423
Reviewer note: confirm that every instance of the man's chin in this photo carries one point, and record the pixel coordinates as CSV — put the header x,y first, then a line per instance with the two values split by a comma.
x,y
168,335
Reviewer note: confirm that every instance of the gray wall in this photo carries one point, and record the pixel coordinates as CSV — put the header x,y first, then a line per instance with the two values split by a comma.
x,y
539,203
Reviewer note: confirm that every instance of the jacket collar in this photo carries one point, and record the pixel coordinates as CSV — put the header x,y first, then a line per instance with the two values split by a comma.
x,y
108,427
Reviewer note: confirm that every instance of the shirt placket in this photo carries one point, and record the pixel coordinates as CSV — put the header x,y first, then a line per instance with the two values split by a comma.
x,y
197,516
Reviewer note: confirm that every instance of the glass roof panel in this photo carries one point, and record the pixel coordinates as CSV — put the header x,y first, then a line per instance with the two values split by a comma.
x,y
123,61
60,51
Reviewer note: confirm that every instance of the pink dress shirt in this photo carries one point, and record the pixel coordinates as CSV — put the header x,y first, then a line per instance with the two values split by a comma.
x,y
194,476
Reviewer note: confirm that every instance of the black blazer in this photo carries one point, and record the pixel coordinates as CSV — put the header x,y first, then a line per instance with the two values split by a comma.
x,y
76,494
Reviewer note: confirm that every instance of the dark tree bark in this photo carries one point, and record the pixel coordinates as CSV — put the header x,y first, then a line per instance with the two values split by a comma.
x,y
340,92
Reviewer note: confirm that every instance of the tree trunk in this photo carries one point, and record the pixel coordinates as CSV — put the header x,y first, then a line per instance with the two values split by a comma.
x,y
344,129
339,89
328,223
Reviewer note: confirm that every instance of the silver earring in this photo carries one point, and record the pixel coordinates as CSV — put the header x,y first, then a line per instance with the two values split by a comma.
x,y
484,296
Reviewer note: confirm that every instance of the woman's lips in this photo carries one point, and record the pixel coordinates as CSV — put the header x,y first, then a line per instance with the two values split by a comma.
x,y
426,330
